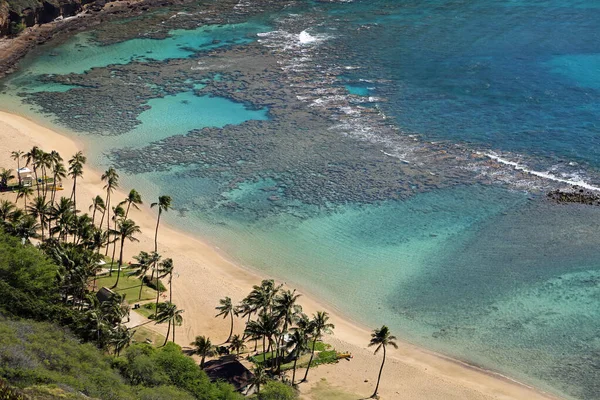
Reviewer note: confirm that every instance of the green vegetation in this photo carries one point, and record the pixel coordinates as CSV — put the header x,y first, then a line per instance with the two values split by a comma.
x,y
274,390
129,286
58,338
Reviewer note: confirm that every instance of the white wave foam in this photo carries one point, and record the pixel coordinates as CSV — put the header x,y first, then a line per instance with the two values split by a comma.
x,y
545,175
304,37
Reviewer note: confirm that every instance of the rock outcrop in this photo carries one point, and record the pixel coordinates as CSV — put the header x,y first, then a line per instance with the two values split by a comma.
x,y
19,14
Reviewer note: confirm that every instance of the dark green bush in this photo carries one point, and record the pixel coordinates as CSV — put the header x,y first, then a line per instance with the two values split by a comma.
x,y
152,284
274,390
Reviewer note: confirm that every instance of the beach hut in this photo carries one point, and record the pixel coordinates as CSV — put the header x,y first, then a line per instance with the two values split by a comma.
x,y
25,176
229,369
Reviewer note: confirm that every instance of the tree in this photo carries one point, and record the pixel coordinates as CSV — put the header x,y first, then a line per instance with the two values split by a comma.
x,y
45,164
25,228
143,265
237,344
381,338
285,308
63,216
6,209
164,204
126,230
299,344
259,377
76,171
39,209
133,198
118,214
58,174
263,328
168,312
204,348
33,157
23,193
320,326
226,309
97,205
111,178
166,268
275,390
5,176
17,155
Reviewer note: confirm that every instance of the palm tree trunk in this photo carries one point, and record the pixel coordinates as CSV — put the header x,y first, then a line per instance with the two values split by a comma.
x,y
231,328
379,377
171,288
141,287
156,231
295,362
202,361
37,185
114,250
312,354
73,194
94,215
174,332
107,211
42,225
168,332
120,263
18,168
157,290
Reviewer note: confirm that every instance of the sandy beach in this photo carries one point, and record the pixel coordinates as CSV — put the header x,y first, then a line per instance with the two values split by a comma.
x,y
204,276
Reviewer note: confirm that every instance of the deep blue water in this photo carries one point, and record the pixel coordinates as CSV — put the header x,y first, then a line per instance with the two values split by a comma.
x,y
519,76
487,273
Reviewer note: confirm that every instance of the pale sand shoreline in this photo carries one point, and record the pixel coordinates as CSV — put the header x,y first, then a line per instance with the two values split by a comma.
x,y
205,276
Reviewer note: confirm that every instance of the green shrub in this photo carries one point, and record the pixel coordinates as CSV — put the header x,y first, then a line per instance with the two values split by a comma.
x,y
16,27
274,390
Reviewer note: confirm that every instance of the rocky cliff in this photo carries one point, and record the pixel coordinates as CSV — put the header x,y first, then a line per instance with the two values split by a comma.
x,y
15,15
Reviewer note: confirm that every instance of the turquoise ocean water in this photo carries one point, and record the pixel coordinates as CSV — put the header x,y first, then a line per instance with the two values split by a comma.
x,y
489,273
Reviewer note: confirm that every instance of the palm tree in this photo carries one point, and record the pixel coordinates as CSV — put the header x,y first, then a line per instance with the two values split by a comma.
x,y
121,337
118,213
299,344
25,228
5,176
237,344
76,171
126,230
62,215
381,338
204,348
39,209
97,205
111,178
259,377
168,312
263,328
226,309
143,265
46,162
133,198
320,326
58,174
17,155
164,204
285,308
22,193
166,267
33,157
6,209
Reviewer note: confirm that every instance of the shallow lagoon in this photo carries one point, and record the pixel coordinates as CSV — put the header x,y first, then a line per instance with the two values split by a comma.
x,y
489,274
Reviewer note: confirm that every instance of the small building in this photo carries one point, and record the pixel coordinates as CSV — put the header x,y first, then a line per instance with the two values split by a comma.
x,y
229,369
25,176
104,294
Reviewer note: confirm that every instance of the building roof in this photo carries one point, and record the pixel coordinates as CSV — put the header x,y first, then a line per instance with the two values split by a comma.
x,y
230,370
104,294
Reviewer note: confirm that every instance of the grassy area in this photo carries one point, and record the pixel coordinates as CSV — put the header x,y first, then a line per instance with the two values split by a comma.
x,y
128,285
324,354
143,334
147,309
